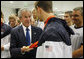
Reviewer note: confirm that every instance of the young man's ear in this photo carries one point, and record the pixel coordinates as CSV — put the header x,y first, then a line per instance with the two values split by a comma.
x,y
39,9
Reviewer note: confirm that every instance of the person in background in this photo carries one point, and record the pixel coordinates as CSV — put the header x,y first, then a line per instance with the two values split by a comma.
x,y
55,39
40,23
33,22
23,36
18,22
77,39
5,38
68,18
12,20
35,18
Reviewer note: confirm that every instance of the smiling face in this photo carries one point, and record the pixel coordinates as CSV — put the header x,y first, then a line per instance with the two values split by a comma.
x,y
77,17
67,17
34,14
12,22
26,18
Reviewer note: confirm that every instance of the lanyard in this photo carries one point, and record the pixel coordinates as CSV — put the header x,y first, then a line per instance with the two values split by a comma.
x,y
34,45
48,20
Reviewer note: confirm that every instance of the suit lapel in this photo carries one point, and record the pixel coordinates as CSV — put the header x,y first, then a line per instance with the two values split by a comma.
x,y
33,34
23,38
22,35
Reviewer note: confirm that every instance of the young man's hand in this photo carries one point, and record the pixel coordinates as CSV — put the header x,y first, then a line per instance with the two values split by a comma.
x,y
26,49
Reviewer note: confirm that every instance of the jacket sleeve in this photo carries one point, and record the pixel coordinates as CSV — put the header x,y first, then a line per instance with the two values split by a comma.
x,y
14,50
7,31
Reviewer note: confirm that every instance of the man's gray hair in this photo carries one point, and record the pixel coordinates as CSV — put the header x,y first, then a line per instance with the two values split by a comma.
x,y
21,10
79,9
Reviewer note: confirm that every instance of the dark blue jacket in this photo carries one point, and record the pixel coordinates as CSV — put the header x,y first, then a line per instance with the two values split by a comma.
x,y
56,30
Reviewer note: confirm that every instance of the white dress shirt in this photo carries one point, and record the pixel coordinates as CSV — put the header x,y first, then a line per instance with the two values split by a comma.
x,y
30,33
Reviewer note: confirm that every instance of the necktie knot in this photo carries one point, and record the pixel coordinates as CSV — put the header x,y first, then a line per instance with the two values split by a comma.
x,y
27,29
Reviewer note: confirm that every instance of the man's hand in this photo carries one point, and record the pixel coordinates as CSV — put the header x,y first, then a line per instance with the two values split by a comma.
x,y
2,48
26,49
78,53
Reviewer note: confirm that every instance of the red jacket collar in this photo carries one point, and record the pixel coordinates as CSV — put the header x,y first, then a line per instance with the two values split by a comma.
x,y
48,20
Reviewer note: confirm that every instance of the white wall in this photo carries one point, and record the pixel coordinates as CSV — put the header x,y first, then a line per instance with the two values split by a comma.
x,y
58,6
7,12
66,5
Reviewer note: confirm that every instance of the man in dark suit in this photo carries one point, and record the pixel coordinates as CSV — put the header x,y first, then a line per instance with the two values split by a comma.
x,y
56,36
23,36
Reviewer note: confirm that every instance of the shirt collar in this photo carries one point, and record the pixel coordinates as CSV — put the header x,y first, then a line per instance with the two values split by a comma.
x,y
78,27
26,27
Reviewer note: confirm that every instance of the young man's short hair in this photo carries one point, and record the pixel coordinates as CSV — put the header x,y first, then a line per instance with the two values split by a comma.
x,y
69,12
45,5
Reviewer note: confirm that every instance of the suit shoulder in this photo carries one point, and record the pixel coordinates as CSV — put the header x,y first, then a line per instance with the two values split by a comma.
x,y
16,28
7,26
37,28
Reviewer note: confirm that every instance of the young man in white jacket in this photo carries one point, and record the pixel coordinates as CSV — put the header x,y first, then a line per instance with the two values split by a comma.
x,y
55,41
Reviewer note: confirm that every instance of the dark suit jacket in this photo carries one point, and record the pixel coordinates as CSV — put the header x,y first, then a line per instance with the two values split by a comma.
x,y
18,40
5,30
